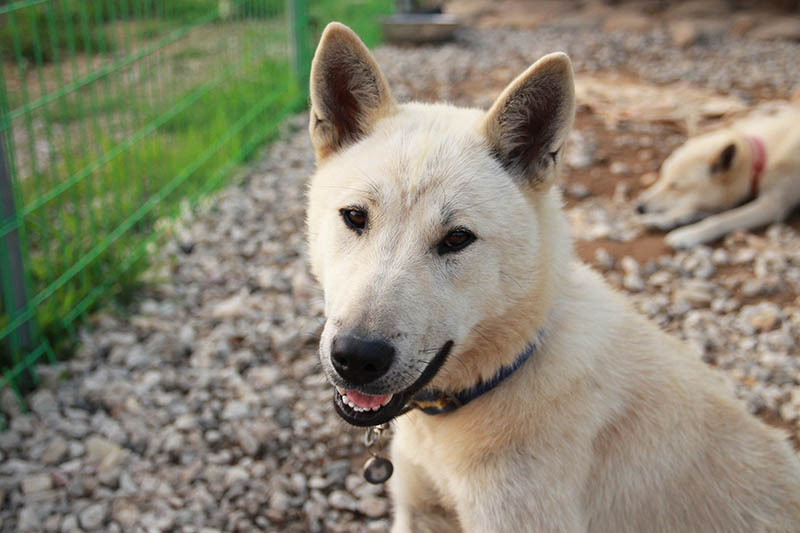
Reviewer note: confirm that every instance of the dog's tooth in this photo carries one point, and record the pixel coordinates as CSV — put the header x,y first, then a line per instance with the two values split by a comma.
x,y
348,402
377,407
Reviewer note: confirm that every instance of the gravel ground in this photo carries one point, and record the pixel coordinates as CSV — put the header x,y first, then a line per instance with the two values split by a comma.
x,y
204,409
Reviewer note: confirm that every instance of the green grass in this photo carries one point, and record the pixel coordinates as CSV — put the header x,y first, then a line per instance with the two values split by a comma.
x,y
97,205
361,15
38,33
107,106
42,33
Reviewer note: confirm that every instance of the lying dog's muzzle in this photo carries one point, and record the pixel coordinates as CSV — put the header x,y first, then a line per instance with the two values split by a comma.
x,y
361,409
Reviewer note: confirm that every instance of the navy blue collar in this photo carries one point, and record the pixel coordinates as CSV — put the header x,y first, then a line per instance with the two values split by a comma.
x,y
436,402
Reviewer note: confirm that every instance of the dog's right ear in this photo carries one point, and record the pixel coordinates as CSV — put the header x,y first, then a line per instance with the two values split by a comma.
x,y
528,124
348,91
724,161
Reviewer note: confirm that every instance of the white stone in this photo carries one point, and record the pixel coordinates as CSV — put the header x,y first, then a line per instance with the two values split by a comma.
x,y
235,410
340,499
55,451
234,475
373,506
93,516
37,483
103,453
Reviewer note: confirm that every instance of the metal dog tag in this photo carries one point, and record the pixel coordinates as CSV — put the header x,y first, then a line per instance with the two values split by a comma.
x,y
378,470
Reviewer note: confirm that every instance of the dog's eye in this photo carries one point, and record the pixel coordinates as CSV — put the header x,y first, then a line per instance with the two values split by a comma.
x,y
356,219
456,240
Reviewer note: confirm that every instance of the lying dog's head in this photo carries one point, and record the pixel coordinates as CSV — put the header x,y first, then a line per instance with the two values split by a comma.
x,y
707,174
428,225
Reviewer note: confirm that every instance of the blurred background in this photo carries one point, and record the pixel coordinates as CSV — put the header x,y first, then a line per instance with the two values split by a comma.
x,y
158,324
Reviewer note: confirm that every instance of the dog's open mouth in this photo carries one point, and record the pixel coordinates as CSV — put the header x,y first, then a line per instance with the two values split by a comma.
x,y
366,409
361,409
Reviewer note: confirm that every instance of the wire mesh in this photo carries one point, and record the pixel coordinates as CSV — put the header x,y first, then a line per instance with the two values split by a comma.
x,y
113,115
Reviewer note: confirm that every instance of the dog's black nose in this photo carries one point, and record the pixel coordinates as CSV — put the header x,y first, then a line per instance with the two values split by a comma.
x,y
641,209
360,361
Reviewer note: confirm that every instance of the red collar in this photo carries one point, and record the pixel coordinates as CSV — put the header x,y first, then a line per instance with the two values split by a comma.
x,y
758,161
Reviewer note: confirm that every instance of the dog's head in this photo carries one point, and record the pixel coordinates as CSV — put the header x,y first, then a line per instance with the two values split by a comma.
x,y
707,174
429,226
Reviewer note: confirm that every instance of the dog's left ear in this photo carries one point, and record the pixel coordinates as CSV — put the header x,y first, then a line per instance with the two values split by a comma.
x,y
347,89
724,161
528,124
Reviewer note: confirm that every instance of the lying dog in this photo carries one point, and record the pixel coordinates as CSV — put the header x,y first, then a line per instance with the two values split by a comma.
x,y
755,160
540,400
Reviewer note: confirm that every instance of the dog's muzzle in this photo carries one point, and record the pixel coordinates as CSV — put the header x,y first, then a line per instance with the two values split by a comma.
x,y
361,409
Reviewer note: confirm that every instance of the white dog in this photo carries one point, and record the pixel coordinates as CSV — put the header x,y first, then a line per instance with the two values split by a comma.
x,y
754,162
540,400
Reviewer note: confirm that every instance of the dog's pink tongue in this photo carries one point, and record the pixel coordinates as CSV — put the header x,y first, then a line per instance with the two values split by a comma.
x,y
365,401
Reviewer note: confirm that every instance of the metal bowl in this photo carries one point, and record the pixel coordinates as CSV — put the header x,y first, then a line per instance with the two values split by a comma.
x,y
419,28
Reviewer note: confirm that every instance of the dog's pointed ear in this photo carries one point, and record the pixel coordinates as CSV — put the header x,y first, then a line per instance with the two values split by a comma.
x,y
529,122
724,161
347,89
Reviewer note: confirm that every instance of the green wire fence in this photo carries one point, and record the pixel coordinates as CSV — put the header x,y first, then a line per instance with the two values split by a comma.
x,y
115,114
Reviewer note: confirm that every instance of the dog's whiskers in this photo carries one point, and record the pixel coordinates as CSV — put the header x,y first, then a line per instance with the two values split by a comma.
x,y
429,350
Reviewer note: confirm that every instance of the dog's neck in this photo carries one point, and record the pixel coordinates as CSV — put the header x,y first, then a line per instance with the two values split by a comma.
x,y
758,161
436,402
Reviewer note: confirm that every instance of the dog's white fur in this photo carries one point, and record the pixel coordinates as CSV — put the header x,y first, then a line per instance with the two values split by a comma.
x,y
612,425
711,175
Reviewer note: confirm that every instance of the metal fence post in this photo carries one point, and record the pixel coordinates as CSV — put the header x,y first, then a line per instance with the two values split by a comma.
x,y
298,29
14,270
13,278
